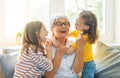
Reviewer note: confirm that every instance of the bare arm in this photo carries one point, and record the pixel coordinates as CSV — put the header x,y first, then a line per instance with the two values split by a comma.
x,y
56,62
78,62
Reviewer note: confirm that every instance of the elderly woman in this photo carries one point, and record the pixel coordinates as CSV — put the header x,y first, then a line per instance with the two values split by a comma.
x,y
64,65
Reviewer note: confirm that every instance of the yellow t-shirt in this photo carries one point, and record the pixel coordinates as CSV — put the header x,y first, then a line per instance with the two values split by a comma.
x,y
88,56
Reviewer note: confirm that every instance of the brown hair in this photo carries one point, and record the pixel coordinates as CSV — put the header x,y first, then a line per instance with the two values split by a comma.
x,y
30,38
90,20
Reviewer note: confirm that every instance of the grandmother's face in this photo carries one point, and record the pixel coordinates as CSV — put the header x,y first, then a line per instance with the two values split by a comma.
x,y
61,28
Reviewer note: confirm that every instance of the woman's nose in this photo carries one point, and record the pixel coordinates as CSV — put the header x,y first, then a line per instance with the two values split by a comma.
x,y
63,25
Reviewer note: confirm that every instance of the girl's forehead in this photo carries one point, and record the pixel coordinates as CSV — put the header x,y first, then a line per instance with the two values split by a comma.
x,y
43,26
79,19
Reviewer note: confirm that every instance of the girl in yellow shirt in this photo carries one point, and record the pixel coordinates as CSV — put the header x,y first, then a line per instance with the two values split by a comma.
x,y
86,25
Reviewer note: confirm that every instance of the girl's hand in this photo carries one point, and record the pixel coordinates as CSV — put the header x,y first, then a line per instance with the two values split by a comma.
x,y
70,50
48,48
49,42
55,43
48,45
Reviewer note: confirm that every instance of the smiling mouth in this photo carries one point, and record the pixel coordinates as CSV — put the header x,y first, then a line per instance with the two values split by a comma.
x,y
62,31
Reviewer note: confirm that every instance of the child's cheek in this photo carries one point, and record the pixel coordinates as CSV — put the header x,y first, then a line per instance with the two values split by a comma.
x,y
77,27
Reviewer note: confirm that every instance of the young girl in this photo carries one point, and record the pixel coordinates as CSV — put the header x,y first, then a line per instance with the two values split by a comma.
x,y
33,59
86,25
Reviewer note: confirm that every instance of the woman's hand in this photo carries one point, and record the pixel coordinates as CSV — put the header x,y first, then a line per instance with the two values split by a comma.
x,y
61,49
